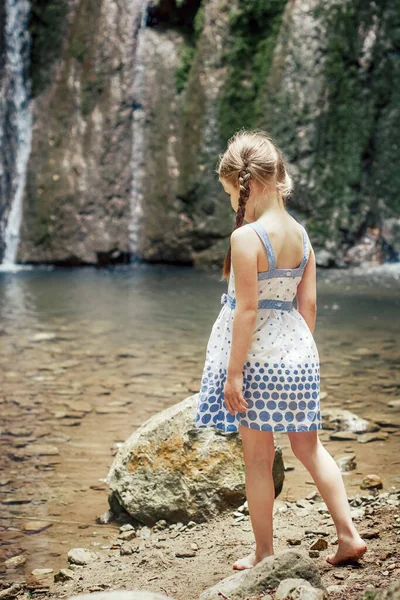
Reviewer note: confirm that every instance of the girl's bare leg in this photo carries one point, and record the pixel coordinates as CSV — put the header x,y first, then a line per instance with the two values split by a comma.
x,y
322,467
259,453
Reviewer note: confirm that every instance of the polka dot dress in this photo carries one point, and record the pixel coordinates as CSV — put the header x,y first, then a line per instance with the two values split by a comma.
x,y
281,377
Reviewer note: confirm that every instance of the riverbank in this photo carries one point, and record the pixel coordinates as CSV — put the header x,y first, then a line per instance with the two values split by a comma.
x,y
182,561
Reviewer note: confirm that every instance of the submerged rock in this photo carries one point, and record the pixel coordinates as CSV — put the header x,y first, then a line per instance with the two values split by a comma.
x,y
169,469
340,419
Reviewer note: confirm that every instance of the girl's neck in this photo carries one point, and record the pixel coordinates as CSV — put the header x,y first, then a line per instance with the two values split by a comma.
x,y
260,210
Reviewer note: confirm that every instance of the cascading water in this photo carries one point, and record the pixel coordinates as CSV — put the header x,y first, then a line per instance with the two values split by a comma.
x,y
15,123
138,133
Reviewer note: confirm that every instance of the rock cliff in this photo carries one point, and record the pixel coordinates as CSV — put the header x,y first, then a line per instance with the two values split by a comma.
x,y
134,100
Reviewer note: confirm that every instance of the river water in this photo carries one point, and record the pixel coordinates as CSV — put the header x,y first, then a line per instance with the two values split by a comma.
x,y
87,355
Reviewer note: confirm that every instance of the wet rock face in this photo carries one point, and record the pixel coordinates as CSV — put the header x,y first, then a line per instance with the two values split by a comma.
x,y
168,469
76,206
331,106
129,122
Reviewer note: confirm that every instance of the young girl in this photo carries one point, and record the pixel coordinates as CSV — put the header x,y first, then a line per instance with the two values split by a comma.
x,y
261,372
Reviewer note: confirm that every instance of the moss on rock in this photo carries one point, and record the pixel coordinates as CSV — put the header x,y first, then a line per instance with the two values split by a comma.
x,y
47,27
253,29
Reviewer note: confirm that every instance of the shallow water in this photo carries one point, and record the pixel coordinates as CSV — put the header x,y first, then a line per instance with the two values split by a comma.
x,y
88,355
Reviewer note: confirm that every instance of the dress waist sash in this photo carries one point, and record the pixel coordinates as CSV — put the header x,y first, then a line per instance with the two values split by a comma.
x,y
264,303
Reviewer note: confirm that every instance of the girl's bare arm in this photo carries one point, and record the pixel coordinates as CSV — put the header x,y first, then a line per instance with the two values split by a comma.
x,y
244,261
307,292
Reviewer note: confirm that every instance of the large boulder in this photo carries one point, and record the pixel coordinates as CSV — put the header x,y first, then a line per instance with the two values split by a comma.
x,y
169,469
267,574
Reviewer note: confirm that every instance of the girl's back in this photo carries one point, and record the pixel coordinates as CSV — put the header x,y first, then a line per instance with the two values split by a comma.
x,y
286,238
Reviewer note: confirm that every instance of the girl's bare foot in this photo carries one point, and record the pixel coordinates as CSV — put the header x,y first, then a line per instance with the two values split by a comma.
x,y
248,561
349,549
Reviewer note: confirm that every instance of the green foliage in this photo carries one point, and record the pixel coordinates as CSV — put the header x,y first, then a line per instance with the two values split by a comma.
x,y
254,27
77,50
353,123
182,72
188,51
198,21
47,27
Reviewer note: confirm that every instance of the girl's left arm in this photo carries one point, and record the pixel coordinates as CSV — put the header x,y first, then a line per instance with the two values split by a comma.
x,y
244,263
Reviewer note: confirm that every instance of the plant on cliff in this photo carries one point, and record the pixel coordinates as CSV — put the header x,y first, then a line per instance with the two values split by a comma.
x,y
356,143
47,27
254,27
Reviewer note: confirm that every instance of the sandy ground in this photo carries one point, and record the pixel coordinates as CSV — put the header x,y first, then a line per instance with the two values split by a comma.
x,y
181,564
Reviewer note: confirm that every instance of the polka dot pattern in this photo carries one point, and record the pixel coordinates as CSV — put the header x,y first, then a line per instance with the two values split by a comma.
x,y
281,376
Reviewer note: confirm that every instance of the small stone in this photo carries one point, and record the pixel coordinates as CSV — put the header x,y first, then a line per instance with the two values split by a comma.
x,y
371,482
293,541
357,513
36,526
64,575
313,553
41,337
347,463
372,437
185,554
319,544
394,403
317,532
106,517
81,556
343,436
126,536
127,527
126,550
40,572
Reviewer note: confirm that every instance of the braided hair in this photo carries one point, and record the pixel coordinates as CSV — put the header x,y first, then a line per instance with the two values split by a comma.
x,y
252,154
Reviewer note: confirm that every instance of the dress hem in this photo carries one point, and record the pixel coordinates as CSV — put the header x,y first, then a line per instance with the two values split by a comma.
x,y
276,429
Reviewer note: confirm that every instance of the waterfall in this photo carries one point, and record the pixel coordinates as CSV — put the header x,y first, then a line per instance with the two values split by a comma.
x,y
138,133
15,122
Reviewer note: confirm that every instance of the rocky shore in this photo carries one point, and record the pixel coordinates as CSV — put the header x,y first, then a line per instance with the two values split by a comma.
x,y
178,495
194,561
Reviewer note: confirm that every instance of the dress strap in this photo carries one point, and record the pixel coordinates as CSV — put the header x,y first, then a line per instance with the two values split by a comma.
x,y
266,242
306,248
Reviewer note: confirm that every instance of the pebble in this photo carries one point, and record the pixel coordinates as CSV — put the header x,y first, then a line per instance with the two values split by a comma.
x,y
371,482
39,572
126,536
364,438
42,337
81,556
319,544
394,403
347,463
64,575
343,436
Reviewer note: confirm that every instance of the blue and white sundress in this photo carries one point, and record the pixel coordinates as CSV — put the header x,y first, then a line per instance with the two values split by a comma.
x,y
281,376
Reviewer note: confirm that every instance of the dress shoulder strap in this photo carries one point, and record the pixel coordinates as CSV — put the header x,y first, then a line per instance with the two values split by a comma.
x,y
266,242
306,248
